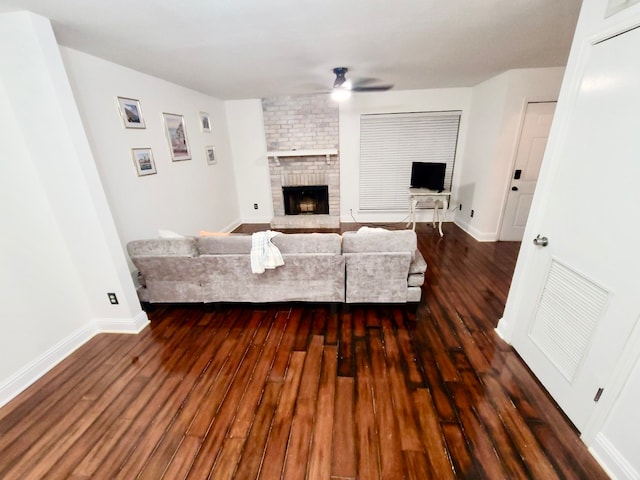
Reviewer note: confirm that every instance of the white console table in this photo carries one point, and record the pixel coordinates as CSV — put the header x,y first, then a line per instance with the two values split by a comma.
x,y
440,201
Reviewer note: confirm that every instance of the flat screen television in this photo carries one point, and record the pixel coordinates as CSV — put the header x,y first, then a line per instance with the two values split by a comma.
x,y
428,175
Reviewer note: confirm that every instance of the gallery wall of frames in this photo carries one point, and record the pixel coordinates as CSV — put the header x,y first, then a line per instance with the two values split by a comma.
x,y
175,131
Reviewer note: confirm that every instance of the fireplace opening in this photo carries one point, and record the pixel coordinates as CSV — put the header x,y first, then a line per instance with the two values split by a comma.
x,y
306,200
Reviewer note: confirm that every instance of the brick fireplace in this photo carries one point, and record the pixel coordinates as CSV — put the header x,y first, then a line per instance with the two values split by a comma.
x,y
300,131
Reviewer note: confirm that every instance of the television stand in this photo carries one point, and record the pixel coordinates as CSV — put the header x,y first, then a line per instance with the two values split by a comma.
x,y
440,200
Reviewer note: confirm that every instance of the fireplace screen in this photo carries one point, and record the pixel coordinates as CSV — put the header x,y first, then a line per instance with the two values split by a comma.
x,y
306,200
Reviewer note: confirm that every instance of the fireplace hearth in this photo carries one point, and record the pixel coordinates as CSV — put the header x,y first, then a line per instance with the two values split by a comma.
x,y
306,200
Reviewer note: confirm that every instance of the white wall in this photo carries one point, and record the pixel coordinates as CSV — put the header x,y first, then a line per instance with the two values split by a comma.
x,y
392,102
248,147
185,196
497,110
59,251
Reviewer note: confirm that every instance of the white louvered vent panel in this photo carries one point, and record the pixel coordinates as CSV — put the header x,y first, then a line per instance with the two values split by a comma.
x,y
389,144
569,309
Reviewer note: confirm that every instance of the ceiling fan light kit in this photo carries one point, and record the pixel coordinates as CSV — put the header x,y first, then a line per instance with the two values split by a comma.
x,y
340,94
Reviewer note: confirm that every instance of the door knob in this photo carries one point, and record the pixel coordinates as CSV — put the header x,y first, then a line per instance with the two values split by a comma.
x,y
515,189
541,241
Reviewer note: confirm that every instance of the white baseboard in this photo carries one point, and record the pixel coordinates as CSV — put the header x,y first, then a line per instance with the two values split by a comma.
x,y
123,325
614,463
475,233
31,372
500,332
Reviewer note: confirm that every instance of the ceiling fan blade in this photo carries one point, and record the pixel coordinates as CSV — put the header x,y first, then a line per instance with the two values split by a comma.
x,y
372,88
361,82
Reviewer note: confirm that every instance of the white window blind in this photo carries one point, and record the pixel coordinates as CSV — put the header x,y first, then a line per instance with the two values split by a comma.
x,y
389,143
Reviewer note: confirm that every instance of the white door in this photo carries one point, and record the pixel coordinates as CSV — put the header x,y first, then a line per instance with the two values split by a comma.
x,y
579,296
533,140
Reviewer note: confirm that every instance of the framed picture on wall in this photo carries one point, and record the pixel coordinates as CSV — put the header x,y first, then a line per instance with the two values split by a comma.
x,y
205,122
130,112
143,159
210,153
176,136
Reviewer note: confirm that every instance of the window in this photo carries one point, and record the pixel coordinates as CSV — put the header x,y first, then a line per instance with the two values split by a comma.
x,y
390,143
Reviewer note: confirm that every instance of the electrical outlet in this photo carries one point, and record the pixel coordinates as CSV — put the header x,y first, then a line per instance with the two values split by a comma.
x,y
255,206
112,298
460,207
472,212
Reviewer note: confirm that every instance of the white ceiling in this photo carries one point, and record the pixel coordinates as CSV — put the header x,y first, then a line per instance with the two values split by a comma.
x,y
256,48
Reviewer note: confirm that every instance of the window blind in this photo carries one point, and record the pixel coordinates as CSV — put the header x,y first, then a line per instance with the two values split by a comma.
x,y
389,143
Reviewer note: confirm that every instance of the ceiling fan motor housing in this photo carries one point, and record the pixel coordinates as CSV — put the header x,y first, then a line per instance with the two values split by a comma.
x,y
340,76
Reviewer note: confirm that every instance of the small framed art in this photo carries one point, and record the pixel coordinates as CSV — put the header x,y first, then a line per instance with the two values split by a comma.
x,y
205,122
210,153
143,159
176,136
130,112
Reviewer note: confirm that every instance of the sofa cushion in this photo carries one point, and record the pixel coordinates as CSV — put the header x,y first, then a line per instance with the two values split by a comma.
x,y
224,245
303,277
418,264
286,243
163,247
415,279
308,243
379,241
377,277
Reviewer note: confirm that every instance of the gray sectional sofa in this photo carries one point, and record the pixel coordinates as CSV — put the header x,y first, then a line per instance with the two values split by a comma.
x,y
370,266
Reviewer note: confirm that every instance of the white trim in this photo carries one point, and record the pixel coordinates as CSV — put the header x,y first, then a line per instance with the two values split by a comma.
x,y
613,462
475,233
303,153
123,325
501,333
31,372
37,368
616,25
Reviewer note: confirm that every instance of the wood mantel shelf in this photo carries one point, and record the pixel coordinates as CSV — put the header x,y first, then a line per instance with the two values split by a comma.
x,y
303,153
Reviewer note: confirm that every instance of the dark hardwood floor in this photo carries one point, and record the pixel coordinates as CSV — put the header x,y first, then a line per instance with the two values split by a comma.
x,y
305,391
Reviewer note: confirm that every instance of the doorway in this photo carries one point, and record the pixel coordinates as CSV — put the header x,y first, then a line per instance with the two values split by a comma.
x,y
524,177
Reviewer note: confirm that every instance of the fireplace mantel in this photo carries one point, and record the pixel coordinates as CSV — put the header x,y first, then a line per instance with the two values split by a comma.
x,y
303,153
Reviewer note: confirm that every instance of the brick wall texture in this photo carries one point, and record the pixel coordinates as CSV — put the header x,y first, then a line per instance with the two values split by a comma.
x,y
300,123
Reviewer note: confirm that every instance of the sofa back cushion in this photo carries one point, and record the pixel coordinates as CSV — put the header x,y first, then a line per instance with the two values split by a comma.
x,y
225,245
163,247
293,243
370,241
287,243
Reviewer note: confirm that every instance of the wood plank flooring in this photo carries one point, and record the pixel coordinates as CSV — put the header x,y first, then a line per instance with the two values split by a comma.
x,y
298,391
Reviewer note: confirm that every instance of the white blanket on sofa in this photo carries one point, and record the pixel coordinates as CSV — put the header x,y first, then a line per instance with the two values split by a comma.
x,y
264,254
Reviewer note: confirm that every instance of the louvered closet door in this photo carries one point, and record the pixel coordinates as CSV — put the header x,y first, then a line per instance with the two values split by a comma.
x,y
390,143
581,300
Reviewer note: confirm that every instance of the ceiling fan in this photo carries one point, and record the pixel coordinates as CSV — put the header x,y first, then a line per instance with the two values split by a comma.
x,y
342,87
